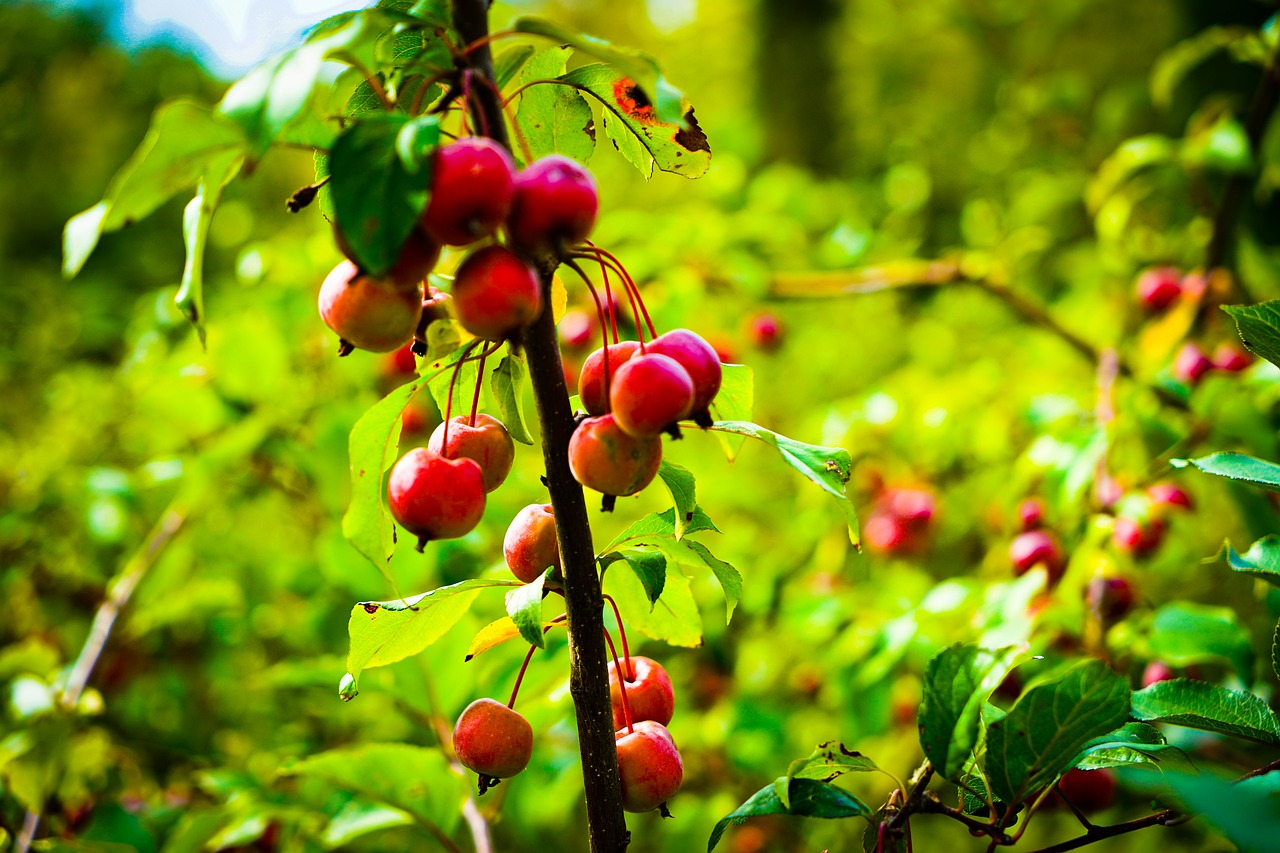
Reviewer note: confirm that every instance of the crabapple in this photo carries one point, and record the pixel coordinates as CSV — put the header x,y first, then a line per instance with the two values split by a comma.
x,y
591,385
649,766
604,458
1035,547
496,294
1133,537
649,393
916,507
486,442
492,739
766,332
1191,364
1031,513
886,533
1231,358
472,189
699,359
530,545
555,204
366,312
1158,288
1089,790
436,498
576,328
1167,494
1155,672
650,695
1110,598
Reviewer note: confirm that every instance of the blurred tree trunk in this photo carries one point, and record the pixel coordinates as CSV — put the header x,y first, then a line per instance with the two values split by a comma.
x,y
796,81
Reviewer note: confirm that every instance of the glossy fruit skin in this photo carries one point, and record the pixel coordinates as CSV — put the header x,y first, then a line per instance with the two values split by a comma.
x,y
1191,364
766,332
591,386
368,313
1167,494
649,393
1158,288
1131,536
604,458
530,546
1110,598
1036,547
436,498
487,443
496,294
492,739
697,357
1231,358
1089,790
649,766
649,692
555,204
1031,514
472,190
418,256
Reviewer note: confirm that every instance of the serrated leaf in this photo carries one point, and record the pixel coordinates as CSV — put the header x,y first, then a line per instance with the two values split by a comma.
x,y
1247,812
1047,727
524,606
376,200
1259,328
673,618
735,401
661,524
508,63
679,147
196,219
1132,744
829,761
809,798
680,485
1236,466
383,632
554,119
186,143
1209,707
507,384
1262,560
494,634
957,683
827,467
1183,632
373,446
651,570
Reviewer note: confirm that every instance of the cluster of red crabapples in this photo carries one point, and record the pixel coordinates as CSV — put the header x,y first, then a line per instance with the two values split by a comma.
x,y
1160,288
632,392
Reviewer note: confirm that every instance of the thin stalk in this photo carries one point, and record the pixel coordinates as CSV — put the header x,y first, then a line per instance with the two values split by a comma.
x,y
622,682
515,690
622,633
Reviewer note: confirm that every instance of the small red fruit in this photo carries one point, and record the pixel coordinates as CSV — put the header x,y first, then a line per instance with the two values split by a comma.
x,y
1191,364
496,294
649,692
1155,672
699,359
577,328
492,739
486,442
555,205
1158,288
436,498
886,533
766,332
1231,358
472,190
604,458
368,313
1089,790
1167,494
1031,513
1036,547
916,507
591,385
400,366
1110,598
649,766
418,256
1131,536
530,546
649,393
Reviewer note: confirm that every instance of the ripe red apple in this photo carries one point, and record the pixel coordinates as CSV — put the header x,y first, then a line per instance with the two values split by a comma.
x,y
1110,598
766,332
649,692
492,739
436,498
530,546
1169,495
487,443
1031,513
649,766
368,313
604,458
1133,537
418,256
649,393
496,294
699,359
472,190
1158,288
1089,790
1191,364
1231,358
1037,547
591,384
555,205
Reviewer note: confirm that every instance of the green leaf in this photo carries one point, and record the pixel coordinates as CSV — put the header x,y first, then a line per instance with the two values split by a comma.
x,y
1246,812
828,467
1259,328
376,200
415,142
554,119
829,761
651,570
1222,147
1132,744
734,402
451,379
1275,650
1049,725
357,818
373,446
1133,156
957,682
195,229
1183,633
809,798
384,632
524,606
1209,707
1236,466
414,779
680,484
657,524
1172,66
673,618
1262,560
729,577
508,63
642,69
507,384
185,144
680,148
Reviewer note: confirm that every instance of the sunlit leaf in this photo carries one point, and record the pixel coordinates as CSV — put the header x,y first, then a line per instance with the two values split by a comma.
x,y
661,524
554,119
809,798
829,761
1262,560
1259,327
373,446
1133,744
680,484
524,606
673,618
494,634
357,819
1133,156
507,384
1210,707
507,65
1236,466
1172,66
734,402
957,682
1246,812
1183,632
195,231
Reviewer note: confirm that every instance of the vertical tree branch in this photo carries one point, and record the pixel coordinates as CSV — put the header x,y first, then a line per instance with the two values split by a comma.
x,y
584,603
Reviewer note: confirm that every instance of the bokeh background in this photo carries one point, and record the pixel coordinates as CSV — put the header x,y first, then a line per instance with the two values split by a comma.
x,y
845,135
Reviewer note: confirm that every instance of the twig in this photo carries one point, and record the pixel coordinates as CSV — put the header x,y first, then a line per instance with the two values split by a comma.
x,y
1097,833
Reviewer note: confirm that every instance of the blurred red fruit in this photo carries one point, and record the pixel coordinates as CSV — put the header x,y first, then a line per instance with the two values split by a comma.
x,y
1110,598
766,332
1167,494
1031,513
1231,358
1132,537
1036,547
1089,790
1191,364
1158,288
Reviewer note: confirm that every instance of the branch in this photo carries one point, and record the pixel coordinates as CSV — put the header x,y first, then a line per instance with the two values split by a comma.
x,y
1097,833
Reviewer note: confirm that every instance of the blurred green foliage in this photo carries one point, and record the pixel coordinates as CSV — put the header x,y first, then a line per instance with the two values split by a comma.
x,y
985,132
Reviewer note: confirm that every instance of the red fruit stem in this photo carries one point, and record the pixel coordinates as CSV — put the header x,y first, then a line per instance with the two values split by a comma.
x,y
515,690
604,331
608,298
448,399
630,283
468,107
622,633
631,297
475,397
622,681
